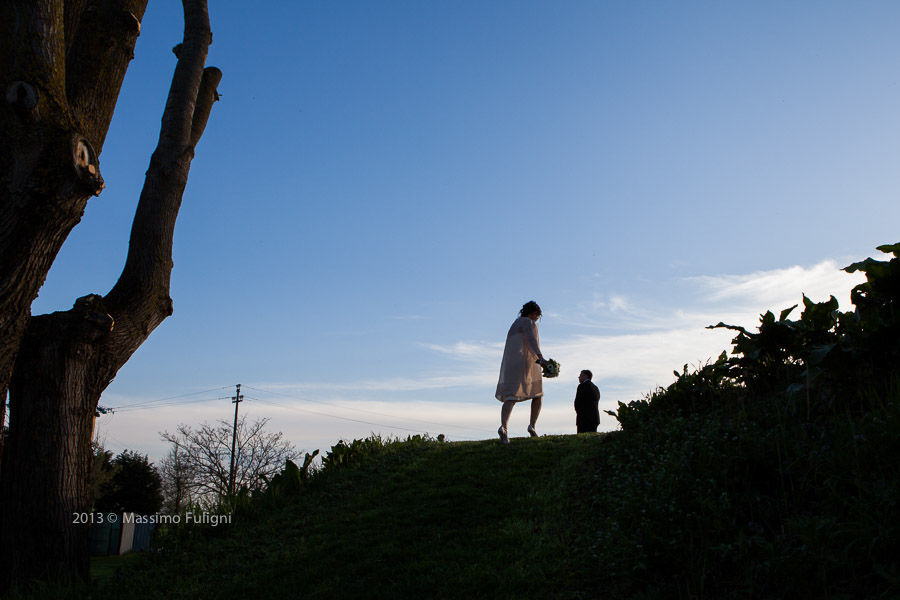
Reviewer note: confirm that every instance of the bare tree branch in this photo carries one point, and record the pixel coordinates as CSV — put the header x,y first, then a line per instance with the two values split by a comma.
x,y
207,456
140,299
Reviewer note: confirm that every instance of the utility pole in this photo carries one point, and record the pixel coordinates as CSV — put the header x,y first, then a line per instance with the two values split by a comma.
x,y
236,400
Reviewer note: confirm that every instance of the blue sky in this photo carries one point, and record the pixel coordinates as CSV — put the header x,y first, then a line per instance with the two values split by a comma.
x,y
383,185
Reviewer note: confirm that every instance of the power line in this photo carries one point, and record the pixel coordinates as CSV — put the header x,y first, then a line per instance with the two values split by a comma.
x,y
368,411
141,404
145,406
312,412
116,441
163,402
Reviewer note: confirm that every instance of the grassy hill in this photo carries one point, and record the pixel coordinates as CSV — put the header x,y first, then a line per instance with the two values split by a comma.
x,y
756,499
759,498
419,519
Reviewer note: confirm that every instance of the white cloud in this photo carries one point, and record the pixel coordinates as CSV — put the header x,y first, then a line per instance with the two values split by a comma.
x,y
618,303
468,350
780,288
386,384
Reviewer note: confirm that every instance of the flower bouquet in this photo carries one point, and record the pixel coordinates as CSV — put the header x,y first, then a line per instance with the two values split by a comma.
x,y
551,369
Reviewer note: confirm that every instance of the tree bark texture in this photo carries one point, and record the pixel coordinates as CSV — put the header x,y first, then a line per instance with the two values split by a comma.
x,y
54,118
57,365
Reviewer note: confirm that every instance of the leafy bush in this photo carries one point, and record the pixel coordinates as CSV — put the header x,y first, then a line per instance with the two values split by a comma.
x,y
755,504
829,355
770,473
826,360
344,454
292,479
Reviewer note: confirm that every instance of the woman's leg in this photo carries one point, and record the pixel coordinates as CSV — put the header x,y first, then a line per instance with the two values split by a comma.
x,y
504,420
536,404
505,412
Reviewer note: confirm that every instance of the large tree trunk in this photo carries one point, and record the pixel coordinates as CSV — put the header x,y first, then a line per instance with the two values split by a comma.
x,y
61,68
47,482
65,360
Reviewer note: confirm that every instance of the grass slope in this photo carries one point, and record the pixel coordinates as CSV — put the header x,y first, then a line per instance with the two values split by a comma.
x,y
430,520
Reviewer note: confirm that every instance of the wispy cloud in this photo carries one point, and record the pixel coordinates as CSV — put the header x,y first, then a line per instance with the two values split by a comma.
x,y
713,298
411,384
613,311
468,351
772,289
680,336
425,381
619,303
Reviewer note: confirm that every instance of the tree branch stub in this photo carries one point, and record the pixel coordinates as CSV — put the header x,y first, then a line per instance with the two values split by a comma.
x,y
87,166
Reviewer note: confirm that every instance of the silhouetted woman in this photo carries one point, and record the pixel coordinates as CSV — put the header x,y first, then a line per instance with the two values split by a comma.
x,y
520,371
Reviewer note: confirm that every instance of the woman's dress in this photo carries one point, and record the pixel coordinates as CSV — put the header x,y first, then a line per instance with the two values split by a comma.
x,y
520,374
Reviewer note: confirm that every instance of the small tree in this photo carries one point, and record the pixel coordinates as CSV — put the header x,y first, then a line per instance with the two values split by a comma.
x,y
135,486
204,456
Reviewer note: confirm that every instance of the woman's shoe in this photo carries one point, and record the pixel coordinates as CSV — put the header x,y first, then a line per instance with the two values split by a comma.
x,y
504,439
531,431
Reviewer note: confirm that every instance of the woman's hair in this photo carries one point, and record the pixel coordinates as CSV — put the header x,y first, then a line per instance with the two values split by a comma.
x,y
529,308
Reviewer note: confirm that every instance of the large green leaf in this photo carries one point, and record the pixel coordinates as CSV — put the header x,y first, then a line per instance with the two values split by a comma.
x,y
871,267
784,314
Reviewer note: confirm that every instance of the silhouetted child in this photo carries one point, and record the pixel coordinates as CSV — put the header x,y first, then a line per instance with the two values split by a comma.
x,y
587,403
